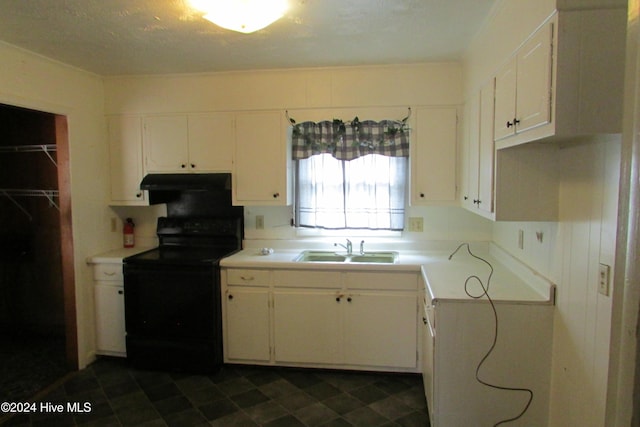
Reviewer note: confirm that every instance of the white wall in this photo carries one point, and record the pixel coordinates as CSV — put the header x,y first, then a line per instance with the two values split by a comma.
x,y
572,248
30,81
373,87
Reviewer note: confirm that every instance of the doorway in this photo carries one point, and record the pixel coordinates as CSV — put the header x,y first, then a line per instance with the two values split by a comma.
x,y
37,291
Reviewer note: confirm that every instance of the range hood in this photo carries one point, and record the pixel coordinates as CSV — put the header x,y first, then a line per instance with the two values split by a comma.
x,y
186,182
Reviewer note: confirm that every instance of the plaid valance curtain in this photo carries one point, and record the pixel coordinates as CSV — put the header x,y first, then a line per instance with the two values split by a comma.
x,y
348,141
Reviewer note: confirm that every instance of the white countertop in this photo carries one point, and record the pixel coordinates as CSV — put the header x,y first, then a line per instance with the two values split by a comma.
x,y
445,279
115,256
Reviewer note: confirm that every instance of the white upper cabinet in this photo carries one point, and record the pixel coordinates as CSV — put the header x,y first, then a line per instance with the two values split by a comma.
x,y
479,151
262,160
125,160
433,152
565,80
198,143
523,87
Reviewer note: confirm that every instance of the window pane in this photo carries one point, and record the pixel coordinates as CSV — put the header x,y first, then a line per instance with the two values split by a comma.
x,y
367,192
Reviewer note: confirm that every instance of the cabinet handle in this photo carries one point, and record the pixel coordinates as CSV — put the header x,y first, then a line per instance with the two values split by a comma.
x,y
466,197
276,195
424,320
516,121
109,274
138,195
509,124
120,292
246,278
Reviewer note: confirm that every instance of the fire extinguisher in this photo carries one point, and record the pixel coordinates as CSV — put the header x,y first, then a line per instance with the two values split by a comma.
x,y
127,232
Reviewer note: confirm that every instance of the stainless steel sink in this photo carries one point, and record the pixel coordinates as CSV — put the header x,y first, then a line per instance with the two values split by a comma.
x,y
330,256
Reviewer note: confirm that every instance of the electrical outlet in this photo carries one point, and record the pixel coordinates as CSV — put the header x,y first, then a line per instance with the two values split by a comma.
x,y
603,279
259,222
416,224
114,225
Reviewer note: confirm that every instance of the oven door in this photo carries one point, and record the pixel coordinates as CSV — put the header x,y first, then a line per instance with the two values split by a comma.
x,y
171,301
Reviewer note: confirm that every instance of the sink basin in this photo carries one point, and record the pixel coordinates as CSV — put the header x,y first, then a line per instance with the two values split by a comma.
x,y
320,256
375,257
330,256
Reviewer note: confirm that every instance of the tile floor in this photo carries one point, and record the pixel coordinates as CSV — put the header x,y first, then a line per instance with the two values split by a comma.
x,y
235,396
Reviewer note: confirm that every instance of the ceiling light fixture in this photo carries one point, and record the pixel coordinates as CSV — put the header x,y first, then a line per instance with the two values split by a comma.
x,y
244,16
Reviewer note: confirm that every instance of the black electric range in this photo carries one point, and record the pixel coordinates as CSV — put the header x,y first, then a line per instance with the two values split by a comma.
x,y
172,295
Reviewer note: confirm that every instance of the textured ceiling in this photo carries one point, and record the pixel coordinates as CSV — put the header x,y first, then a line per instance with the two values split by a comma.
x,y
124,37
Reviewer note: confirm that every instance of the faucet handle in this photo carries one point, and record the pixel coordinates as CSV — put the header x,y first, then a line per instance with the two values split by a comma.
x,y
362,247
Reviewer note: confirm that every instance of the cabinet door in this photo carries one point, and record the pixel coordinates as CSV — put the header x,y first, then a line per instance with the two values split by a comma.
x,y
110,327
125,160
473,151
260,160
211,142
433,169
486,149
533,81
505,100
247,324
381,330
307,326
165,144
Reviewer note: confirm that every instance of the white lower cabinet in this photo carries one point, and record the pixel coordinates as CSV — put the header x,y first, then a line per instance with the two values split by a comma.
x,y
109,309
306,326
247,331
324,319
380,330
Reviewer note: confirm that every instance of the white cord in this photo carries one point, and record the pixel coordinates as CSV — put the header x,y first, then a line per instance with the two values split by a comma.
x,y
485,292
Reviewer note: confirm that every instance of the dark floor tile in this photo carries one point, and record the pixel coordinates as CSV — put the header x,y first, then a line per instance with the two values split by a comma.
x,y
110,421
263,377
172,405
286,421
193,382
296,401
59,420
343,403
368,394
151,379
391,408
365,417
279,388
189,418
237,419
266,411
315,414
98,411
218,409
300,378
81,384
322,390
392,385
338,422
235,386
204,395
128,386
163,391
414,419
249,398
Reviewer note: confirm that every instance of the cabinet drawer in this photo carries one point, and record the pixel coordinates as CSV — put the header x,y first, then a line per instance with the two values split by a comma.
x,y
307,279
248,277
108,273
384,281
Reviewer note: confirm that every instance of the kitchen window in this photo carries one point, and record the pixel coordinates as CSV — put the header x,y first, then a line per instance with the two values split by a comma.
x,y
350,176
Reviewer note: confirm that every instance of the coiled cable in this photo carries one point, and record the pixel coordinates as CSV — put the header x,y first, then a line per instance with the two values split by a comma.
x,y
485,292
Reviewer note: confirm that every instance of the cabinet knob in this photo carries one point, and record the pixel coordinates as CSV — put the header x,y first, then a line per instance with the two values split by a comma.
x,y
138,195
120,292
183,166
466,197
276,195
422,195
349,299
230,296
193,166
337,299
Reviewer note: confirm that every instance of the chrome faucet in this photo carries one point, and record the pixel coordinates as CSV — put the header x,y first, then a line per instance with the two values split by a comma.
x,y
348,247
362,247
